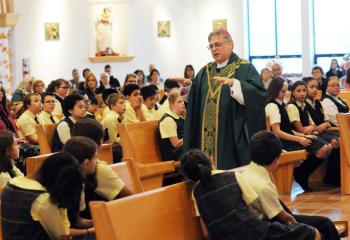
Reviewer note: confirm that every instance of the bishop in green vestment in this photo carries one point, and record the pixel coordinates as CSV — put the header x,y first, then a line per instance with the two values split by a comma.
x,y
225,105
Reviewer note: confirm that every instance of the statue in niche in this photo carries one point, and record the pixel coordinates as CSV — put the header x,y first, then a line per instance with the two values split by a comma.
x,y
104,30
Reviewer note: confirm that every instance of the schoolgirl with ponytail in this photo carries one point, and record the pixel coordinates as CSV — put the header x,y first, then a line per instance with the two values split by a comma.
x,y
221,203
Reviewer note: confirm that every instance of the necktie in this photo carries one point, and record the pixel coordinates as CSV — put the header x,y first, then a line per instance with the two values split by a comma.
x,y
52,119
36,119
119,119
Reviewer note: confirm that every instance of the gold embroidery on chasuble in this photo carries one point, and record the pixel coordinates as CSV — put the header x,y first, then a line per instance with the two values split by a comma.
x,y
212,106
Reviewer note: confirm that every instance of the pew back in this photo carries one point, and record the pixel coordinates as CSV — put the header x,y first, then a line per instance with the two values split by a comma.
x,y
45,135
165,213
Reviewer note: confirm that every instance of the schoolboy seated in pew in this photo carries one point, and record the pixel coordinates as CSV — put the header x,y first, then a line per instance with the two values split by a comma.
x,y
170,128
133,112
9,153
293,140
91,108
149,102
258,175
116,104
105,96
108,185
169,85
223,204
35,206
73,109
27,121
48,105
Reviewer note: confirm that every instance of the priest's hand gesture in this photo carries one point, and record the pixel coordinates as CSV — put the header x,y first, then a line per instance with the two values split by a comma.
x,y
227,81
183,81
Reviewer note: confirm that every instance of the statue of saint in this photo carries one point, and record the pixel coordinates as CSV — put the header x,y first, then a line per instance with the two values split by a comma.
x,y
104,30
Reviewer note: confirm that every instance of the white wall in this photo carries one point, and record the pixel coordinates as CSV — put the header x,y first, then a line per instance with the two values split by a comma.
x,y
191,21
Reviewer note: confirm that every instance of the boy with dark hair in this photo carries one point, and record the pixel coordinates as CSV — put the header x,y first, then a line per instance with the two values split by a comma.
x,y
149,101
74,109
133,113
91,108
265,149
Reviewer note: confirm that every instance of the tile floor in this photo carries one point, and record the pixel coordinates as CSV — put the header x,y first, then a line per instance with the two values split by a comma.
x,y
324,201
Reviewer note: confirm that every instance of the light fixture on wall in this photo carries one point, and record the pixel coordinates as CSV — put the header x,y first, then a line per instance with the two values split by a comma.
x,y
52,31
219,24
163,28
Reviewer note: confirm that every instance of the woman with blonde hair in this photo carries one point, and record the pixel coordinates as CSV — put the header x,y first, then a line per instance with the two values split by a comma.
x,y
24,88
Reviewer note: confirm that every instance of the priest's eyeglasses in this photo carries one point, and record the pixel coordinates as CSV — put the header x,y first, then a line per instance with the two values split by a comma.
x,y
216,45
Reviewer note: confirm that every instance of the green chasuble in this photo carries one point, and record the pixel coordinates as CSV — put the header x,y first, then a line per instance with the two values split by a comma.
x,y
215,122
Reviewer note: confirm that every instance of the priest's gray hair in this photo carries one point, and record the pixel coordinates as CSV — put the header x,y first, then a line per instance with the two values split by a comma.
x,y
215,33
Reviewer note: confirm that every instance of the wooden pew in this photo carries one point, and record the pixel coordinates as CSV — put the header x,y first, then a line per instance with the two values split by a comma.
x,y
59,116
345,95
45,135
33,163
164,213
139,142
344,130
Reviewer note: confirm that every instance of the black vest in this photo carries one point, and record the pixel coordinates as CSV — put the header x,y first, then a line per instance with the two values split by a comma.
x,y
285,124
224,211
316,113
342,108
304,117
166,149
57,145
16,219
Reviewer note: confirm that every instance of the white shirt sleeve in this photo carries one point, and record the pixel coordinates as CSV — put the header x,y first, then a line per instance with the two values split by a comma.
x,y
273,113
63,131
236,91
330,109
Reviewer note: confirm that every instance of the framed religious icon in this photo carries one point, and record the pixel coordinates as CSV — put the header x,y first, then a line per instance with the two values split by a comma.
x,y
163,28
219,24
52,31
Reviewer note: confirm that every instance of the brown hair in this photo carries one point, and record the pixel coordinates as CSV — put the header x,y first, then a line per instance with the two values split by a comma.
x,y
173,95
113,99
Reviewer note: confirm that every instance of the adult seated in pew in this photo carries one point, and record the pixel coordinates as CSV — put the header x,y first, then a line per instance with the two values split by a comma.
x,y
74,109
258,175
170,129
59,88
331,102
149,102
48,105
223,200
325,129
292,140
27,121
9,153
116,104
35,206
106,183
133,112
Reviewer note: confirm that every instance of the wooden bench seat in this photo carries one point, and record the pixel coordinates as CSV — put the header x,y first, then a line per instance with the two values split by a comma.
x,y
139,142
164,213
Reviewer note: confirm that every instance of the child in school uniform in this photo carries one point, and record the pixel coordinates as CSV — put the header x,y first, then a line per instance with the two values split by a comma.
x,y
149,102
27,121
171,128
103,184
326,130
116,104
9,153
133,112
48,106
35,206
259,175
74,109
169,85
292,140
331,102
223,204
91,108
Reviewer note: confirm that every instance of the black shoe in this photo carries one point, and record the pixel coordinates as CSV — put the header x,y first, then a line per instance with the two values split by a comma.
x,y
302,182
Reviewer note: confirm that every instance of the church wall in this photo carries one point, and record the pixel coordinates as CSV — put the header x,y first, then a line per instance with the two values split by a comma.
x,y
191,21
